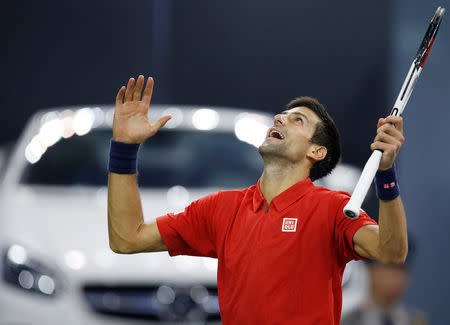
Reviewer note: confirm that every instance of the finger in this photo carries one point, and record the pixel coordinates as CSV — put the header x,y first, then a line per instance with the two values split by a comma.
x,y
392,131
119,97
397,121
385,147
129,91
138,89
380,122
389,155
162,121
386,138
146,98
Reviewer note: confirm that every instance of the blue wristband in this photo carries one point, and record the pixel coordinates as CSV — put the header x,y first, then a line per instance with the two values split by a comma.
x,y
386,184
123,157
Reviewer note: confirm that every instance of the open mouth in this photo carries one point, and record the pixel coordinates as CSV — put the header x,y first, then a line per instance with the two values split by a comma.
x,y
274,133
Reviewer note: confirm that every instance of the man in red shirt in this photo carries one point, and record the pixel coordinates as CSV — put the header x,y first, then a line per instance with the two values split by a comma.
x,y
282,244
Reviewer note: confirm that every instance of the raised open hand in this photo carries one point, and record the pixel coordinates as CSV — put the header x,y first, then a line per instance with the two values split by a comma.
x,y
131,123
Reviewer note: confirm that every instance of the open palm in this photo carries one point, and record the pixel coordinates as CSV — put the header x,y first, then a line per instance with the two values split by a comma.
x,y
131,123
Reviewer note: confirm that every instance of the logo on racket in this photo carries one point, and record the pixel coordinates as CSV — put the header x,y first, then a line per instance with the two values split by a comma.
x,y
289,225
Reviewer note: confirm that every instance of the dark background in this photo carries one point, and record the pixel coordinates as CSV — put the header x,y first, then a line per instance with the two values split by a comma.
x,y
351,55
229,53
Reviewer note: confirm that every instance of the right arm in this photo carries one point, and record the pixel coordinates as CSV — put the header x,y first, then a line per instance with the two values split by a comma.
x,y
127,231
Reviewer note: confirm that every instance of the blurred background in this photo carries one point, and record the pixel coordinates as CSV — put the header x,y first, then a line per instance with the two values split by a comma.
x,y
255,55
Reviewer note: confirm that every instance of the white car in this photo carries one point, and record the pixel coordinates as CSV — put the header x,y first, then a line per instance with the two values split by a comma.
x,y
56,266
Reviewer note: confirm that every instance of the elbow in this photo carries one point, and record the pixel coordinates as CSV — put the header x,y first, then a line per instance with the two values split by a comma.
x,y
401,259
122,249
115,249
120,244
395,259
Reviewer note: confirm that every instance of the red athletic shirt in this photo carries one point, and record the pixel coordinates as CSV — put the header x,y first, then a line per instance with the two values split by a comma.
x,y
277,264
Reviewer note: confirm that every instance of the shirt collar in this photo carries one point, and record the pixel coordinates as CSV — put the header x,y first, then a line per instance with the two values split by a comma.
x,y
284,199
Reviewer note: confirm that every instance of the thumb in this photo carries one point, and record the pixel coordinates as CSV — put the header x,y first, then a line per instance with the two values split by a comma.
x,y
161,122
154,127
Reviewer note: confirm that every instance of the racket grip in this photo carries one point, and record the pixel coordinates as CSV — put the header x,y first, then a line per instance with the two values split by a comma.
x,y
351,210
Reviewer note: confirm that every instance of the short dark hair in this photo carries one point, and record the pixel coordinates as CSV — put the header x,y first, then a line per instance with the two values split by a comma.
x,y
326,134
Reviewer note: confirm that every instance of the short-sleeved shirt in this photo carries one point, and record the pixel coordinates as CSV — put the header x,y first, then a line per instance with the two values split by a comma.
x,y
277,264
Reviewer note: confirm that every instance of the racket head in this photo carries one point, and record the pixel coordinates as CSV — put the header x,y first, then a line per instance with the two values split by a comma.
x,y
428,39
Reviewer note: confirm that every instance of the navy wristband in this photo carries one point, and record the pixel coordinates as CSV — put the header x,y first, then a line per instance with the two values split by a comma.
x,y
123,157
386,184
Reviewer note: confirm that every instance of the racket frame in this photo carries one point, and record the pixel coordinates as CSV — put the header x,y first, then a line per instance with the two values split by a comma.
x,y
352,208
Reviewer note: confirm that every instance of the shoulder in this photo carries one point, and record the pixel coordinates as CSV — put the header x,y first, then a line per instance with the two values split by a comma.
x,y
333,197
227,195
331,200
229,202
331,193
236,194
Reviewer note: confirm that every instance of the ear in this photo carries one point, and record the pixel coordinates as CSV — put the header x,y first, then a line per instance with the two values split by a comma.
x,y
316,153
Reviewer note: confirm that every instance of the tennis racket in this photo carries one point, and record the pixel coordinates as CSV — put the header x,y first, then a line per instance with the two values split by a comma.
x,y
351,210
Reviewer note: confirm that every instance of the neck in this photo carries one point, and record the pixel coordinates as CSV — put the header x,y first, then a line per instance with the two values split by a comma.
x,y
278,177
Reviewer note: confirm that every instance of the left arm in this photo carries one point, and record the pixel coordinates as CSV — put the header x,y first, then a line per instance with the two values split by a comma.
x,y
387,242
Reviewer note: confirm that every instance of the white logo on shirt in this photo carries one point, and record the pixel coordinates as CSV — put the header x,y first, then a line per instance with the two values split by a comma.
x,y
289,225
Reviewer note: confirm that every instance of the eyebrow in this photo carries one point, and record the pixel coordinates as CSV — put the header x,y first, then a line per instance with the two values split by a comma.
x,y
297,113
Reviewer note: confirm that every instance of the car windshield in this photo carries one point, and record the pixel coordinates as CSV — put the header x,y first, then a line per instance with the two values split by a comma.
x,y
190,158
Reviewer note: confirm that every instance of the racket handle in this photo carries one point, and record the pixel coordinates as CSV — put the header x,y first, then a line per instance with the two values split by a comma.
x,y
351,210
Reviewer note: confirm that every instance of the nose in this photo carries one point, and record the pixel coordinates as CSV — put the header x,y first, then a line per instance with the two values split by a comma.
x,y
279,119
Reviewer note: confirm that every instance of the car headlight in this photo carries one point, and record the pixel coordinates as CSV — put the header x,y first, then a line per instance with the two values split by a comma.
x,y
27,273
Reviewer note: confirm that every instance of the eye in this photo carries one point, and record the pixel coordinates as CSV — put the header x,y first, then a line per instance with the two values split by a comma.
x,y
299,119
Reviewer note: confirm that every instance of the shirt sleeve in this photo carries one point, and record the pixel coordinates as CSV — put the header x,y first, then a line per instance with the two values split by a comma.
x,y
345,228
191,232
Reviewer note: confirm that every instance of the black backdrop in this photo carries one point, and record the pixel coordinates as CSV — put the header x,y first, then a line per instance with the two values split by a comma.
x,y
256,55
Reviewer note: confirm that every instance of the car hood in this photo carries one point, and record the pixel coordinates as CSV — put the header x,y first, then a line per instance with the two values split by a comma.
x,y
67,226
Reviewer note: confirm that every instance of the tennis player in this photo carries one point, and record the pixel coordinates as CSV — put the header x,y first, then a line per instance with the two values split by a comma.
x,y
282,244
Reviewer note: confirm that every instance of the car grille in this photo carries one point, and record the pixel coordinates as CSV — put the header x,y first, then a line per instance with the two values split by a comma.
x,y
157,303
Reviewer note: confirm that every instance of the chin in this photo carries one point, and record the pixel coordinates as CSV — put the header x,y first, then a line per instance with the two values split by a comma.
x,y
269,149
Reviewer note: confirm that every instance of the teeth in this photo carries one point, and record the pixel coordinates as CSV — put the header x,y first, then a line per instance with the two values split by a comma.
x,y
274,131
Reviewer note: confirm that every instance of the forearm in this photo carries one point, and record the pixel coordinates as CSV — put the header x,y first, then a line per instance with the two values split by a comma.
x,y
124,211
393,238
127,231
389,241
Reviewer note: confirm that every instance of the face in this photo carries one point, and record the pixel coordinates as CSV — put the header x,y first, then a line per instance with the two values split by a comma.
x,y
290,136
